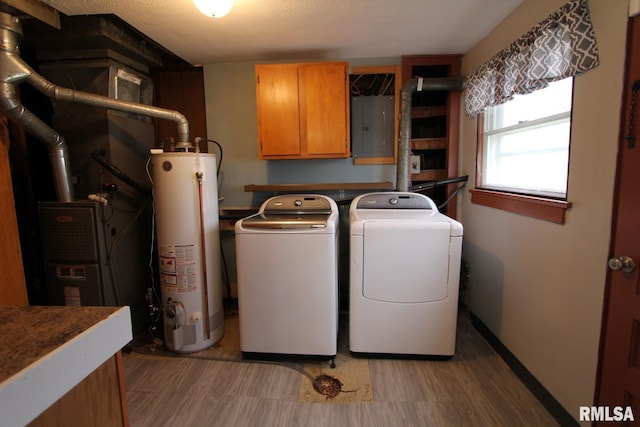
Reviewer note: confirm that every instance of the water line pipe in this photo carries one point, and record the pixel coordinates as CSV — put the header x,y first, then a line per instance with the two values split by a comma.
x,y
203,252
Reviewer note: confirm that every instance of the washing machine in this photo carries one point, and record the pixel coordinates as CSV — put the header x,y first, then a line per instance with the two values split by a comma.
x,y
287,271
404,276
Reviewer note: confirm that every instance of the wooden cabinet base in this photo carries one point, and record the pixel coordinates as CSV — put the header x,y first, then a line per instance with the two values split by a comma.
x,y
99,400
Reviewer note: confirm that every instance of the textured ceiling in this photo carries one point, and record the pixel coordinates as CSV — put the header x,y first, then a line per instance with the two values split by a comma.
x,y
305,29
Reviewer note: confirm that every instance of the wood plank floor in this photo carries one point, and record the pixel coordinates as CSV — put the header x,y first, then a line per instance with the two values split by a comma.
x,y
474,388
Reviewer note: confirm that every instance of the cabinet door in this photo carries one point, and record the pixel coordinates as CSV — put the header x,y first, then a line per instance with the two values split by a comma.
x,y
278,112
324,109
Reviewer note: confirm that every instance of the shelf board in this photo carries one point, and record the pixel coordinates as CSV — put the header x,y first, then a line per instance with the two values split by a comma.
x,y
429,175
418,112
428,143
285,188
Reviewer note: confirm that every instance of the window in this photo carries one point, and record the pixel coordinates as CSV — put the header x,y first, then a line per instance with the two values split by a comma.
x,y
523,162
523,153
525,143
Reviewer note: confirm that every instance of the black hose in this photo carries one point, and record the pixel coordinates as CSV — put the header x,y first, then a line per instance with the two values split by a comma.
x,y
98,156
224,261
226,272
221,154
433,184
425,186
161,351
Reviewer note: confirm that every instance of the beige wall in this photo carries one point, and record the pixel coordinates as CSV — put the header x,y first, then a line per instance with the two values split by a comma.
x,y
230,98
539,286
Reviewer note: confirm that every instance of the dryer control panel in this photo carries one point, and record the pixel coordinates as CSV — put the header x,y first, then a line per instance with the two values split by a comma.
x,y
400,200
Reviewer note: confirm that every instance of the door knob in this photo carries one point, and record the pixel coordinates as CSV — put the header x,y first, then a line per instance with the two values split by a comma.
x,y
623,263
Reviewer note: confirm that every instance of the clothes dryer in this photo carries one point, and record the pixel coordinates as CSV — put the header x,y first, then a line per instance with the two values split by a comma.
x,y
404,275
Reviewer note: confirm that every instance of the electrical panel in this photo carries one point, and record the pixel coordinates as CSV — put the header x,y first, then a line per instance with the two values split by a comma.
x,y
372,124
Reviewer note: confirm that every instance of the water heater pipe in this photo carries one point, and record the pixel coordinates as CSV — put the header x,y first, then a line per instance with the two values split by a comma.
x,y
416,84
13,70
203,254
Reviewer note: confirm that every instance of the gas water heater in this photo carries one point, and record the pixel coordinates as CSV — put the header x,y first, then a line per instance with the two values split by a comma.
x,y
185,192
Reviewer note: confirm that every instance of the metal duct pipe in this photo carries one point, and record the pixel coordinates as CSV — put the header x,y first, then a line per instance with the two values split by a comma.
x,y
64,94
416,84
58,154
13,70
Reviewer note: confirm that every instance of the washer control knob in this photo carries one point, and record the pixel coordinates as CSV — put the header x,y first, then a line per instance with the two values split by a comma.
x,y
393,201
298,202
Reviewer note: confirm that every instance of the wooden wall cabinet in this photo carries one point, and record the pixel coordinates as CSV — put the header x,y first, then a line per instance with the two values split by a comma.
x,y
435,121
303,110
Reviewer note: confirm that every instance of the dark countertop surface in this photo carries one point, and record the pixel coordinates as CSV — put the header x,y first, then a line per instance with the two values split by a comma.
x,y
28,333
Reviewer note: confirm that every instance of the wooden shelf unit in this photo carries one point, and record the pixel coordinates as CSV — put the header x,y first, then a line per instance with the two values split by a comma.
x,y
435,120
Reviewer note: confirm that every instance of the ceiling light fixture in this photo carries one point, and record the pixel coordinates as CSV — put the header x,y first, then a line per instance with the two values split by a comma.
x,y
214,8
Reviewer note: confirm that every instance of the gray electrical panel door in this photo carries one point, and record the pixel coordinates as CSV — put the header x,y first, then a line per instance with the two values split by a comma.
x,y
372,123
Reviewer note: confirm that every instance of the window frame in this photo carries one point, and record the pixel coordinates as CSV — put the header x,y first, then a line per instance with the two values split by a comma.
x,y
539,207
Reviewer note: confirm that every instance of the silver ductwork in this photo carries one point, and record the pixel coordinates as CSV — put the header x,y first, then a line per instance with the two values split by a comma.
x,y
13,70
416,84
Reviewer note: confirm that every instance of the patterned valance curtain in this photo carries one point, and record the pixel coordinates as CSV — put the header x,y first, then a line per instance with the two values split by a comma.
x,y
561,46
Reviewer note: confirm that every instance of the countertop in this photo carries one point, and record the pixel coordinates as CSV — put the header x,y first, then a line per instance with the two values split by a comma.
x,y
287,188
46,351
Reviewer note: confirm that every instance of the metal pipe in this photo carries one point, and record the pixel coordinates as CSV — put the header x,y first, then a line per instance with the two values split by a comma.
x,y
404,144
58,155
13,70
65,94
203,255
